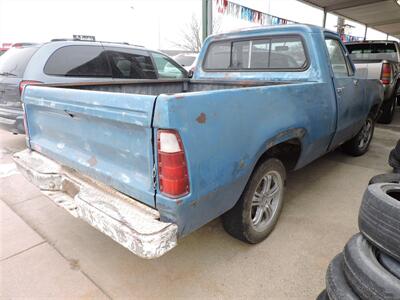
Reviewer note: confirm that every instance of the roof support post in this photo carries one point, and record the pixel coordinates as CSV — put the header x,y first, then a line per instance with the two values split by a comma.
x,y
365,32
324,19
206,18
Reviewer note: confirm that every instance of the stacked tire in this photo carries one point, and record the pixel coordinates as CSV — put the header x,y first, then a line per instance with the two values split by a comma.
x,y
394,158
369,266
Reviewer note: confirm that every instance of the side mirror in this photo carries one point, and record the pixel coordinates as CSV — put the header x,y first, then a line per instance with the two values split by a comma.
x,y
190,73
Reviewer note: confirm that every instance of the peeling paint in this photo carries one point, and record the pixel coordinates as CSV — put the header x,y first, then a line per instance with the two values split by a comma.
x,y
92,161
201,118
179,96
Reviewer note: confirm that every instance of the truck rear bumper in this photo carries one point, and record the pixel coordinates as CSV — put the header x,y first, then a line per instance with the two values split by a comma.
x,y
128,222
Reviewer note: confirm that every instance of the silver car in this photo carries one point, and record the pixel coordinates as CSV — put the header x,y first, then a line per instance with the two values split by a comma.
x,y
70,61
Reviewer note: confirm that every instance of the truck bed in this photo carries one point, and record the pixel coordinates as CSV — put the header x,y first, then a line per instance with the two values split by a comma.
x,y
151,87
105,130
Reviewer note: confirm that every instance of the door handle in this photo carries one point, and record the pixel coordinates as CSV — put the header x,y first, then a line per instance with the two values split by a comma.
x,y
355,81
340,90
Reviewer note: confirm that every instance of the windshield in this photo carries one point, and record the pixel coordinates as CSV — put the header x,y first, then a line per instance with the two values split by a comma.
x,y
184,60
371,51
14,61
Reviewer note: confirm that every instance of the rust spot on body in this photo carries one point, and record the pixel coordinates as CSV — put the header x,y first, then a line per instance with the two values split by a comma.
x,y
92,161
241,164
201,118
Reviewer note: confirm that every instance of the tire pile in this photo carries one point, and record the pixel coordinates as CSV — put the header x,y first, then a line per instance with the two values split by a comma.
x,y
369,266
394,158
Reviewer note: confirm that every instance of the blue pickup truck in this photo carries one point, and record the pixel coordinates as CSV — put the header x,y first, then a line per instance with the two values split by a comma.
x,y
149,162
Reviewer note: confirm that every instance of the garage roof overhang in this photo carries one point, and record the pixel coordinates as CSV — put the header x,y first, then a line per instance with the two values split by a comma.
x,y
382,15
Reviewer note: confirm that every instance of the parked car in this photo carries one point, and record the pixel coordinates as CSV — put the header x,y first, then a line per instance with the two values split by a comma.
x,y
148,163
380,60
3,50
74,61
186,60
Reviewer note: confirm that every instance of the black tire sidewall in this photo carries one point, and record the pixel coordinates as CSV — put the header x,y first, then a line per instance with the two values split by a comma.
x,y
336,284
366,276
379,220
385,178
352,146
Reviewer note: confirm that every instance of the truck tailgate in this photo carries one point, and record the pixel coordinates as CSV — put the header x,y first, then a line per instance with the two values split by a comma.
x,y
106,136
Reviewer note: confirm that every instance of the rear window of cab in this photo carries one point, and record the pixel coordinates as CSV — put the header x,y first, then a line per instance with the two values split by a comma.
x,y
266,53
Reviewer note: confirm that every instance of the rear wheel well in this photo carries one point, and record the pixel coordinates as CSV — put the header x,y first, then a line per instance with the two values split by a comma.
x,y
374,112
287,152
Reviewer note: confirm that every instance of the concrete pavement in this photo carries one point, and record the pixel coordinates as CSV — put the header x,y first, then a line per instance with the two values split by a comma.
x,y
45,252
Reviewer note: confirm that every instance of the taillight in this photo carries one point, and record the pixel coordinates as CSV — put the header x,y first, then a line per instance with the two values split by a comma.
x,y
173,175
24,83
386,73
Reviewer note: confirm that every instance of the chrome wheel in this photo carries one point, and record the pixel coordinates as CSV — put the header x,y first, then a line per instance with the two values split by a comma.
x,y
266,200
365,134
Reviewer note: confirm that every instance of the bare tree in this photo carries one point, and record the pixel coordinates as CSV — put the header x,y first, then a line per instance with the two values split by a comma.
x,y
191,35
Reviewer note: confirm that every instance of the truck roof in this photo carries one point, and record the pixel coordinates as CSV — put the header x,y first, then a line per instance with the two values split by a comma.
x,y
271,29
372,42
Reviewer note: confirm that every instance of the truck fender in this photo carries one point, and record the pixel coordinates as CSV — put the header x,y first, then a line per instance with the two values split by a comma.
x,y
288,136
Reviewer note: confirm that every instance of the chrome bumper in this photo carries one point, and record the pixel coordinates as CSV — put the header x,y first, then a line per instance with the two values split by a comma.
x,y
128,222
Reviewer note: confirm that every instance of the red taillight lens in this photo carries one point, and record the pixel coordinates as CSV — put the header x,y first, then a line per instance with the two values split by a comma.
x,y
173,175
386,73
24,83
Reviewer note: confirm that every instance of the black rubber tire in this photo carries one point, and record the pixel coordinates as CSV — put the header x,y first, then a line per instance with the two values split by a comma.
x,y
393,161
390,264
366,276
388,109
323,296
237,221
379,217
337,287
396,151
352,147
385,178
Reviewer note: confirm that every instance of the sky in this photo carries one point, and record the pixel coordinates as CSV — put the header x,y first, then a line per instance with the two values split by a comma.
x,y
152,23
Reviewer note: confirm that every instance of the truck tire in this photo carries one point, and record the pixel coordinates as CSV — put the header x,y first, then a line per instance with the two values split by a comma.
x,y
257,211
390,264
323,296
359,144
385,178
337,288
394,162
379,220
388,109
366,276
396,151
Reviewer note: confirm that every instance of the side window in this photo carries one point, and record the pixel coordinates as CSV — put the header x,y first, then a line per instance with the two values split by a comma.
x,y
240,55
79,61
287,53
166,68
260,54
340,65
218,56
133,64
